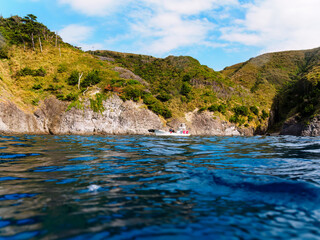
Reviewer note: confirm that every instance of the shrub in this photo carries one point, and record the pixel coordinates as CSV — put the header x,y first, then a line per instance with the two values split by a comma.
x,y
183,99
186,88
241,110
222,108
149,99
73,78
264,115
92,78
97,104
158,108
25,72
202,109
62,68
164,97
41,72
52,88
254,110
186,78
35,102
236,119
133,92
75,104
213,108
4,52
71,97
37,86
166,113
118,83
55,79
132,82
60,97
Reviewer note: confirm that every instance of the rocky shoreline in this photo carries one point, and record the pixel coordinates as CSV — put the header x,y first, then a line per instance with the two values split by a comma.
x,y
123,118
118,118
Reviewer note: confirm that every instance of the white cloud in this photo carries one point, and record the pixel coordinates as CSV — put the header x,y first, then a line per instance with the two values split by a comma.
x,y
158,26
189,7
168,31
171,24
94,7
278,25
76,34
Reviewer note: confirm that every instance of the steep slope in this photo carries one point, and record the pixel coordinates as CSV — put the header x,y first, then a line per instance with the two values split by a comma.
x,y
48,86
36,65
121,88
183,84
287,82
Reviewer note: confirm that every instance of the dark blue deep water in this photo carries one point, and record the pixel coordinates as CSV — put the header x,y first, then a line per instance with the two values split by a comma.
x,y
146,187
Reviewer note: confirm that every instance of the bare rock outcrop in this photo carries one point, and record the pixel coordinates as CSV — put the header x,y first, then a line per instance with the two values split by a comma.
x,y
297,128
292,127
52,118
313,128
118,117
15,121
205,123
127,74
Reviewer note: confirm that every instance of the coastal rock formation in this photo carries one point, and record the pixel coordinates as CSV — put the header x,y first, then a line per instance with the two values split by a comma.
x,y
15,121
313,128
204,124
118,117
52,118
295,128
292,127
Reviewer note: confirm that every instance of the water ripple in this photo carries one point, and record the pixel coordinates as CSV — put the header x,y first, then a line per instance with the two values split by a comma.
x,y
146,187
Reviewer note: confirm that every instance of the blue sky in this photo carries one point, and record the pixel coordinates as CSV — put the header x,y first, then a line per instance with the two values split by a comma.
x,y
218,33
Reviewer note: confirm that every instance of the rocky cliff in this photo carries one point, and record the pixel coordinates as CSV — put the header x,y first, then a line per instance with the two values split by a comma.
x,y
118,117
52,118
295,127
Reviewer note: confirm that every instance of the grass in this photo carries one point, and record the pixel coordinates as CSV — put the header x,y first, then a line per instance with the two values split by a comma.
x,y
176,85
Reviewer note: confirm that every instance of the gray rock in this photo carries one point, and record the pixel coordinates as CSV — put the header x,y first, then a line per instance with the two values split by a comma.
x,y
313,128
15,121
118,117
205,123
292,127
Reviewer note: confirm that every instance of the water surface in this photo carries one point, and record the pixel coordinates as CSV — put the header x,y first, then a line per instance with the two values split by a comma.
x,y
147,187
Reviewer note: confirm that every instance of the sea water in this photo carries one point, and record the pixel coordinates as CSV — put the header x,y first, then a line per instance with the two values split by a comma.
x,y
148,187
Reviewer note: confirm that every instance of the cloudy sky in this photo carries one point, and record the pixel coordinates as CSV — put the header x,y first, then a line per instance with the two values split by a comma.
x,y
218,33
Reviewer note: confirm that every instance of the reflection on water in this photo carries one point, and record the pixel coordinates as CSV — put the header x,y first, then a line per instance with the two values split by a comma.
x,y
142,187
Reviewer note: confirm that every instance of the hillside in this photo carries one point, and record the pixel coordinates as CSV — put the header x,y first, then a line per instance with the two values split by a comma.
x,y
183,84
36,65
287,80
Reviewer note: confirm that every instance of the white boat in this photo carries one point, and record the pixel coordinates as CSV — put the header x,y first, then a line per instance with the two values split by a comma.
x,y
182,131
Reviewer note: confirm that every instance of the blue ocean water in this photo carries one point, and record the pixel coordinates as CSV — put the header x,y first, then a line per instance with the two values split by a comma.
x,y
148,187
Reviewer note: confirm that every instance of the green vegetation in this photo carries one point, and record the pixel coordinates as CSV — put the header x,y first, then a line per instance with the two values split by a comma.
x,y
36,64
97,104
182,84
41,72
299,98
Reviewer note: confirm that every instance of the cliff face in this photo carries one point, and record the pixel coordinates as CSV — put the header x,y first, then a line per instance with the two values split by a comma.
x,y
297,128
52,118
118,118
